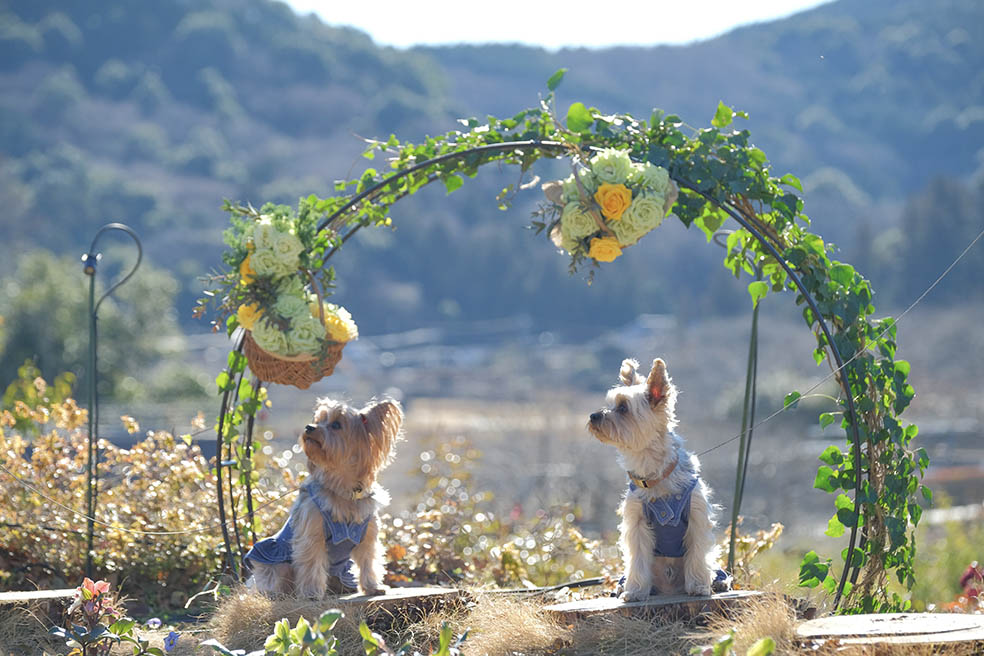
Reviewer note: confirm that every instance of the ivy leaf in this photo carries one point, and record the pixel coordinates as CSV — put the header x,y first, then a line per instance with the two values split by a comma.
x,y
453,183
835,528
826,479
579,118
826,419
832,456
723,116
791,400
757,290
842,274
554,80
812,571
224,382
792,181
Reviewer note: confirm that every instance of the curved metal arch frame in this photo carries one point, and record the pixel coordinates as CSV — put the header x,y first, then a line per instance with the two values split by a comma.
x,y
734,212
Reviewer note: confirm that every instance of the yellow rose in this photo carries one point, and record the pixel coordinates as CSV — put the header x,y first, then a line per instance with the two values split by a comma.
x,y
614,199
339,325
246,273
336,329
248,314
604,249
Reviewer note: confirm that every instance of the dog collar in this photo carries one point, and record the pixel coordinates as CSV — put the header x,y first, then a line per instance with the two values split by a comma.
x,y
360,492
653,482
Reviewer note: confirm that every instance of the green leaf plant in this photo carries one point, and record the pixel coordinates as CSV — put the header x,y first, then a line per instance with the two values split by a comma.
x,y
724,180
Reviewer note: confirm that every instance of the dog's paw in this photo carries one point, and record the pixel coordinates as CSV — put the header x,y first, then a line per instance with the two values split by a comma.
x,y
698,588
631,594
375,590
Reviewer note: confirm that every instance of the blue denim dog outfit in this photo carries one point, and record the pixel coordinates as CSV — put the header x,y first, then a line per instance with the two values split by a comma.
x,y
340,539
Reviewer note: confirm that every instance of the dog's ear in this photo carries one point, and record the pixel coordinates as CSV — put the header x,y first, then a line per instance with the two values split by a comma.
x,y
627,374
383,423
658,383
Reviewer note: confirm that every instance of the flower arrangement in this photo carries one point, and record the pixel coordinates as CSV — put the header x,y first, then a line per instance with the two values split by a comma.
x,y
606,205
275,291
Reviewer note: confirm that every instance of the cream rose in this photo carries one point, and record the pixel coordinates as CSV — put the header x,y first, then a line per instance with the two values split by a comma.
x,y
304,337
612,165
576,222
292,307
266,263
264,233
288,248
645,213
269,338
651,177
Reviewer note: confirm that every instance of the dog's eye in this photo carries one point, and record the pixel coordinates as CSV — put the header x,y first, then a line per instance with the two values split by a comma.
x,y
623,407
335,425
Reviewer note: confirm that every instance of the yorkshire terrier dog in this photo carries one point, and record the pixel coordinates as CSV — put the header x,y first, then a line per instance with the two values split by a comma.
x,y
334,523
666,532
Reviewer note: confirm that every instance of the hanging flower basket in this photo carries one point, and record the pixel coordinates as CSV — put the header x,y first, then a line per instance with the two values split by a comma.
x,y
299,371
274,292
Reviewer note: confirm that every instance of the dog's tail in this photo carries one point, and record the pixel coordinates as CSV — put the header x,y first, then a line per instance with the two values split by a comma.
x,y
628,375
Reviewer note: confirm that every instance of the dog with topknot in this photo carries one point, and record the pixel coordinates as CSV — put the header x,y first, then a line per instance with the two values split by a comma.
x,y
667,527
333,525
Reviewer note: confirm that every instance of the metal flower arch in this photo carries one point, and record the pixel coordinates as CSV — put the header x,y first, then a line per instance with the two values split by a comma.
x,y
339,222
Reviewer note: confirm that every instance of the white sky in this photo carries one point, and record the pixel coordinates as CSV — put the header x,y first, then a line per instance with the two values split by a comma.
x,y
548,24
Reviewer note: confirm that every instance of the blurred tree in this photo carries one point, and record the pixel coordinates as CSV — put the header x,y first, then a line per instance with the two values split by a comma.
x,y
45,323
937,224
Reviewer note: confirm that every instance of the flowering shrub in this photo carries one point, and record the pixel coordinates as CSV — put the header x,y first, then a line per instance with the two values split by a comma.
x,y
606,205
272,289
157,521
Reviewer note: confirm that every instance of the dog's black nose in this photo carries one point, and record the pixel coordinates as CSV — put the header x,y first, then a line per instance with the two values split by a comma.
x,y
596,417
310,428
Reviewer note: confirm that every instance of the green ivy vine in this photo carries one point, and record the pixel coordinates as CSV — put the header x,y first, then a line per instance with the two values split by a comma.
x,y
721,176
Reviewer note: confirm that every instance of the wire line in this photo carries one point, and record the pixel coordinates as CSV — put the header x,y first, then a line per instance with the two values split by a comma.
x,y
858,354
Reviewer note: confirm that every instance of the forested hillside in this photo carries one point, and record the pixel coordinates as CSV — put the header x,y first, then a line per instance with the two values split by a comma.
x,y
153,113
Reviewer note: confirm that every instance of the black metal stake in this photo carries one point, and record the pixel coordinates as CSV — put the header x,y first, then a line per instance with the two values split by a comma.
x,y
89,263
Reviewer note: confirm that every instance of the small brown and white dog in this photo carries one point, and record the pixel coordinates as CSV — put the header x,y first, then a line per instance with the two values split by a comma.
x,y
334,522
666,533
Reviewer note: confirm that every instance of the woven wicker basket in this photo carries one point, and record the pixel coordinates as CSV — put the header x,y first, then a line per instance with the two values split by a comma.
x,y
299,371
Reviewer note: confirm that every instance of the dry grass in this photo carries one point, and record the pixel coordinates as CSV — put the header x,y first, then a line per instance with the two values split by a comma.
x,y
245,619
22,631
769,615
497,625
505,625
